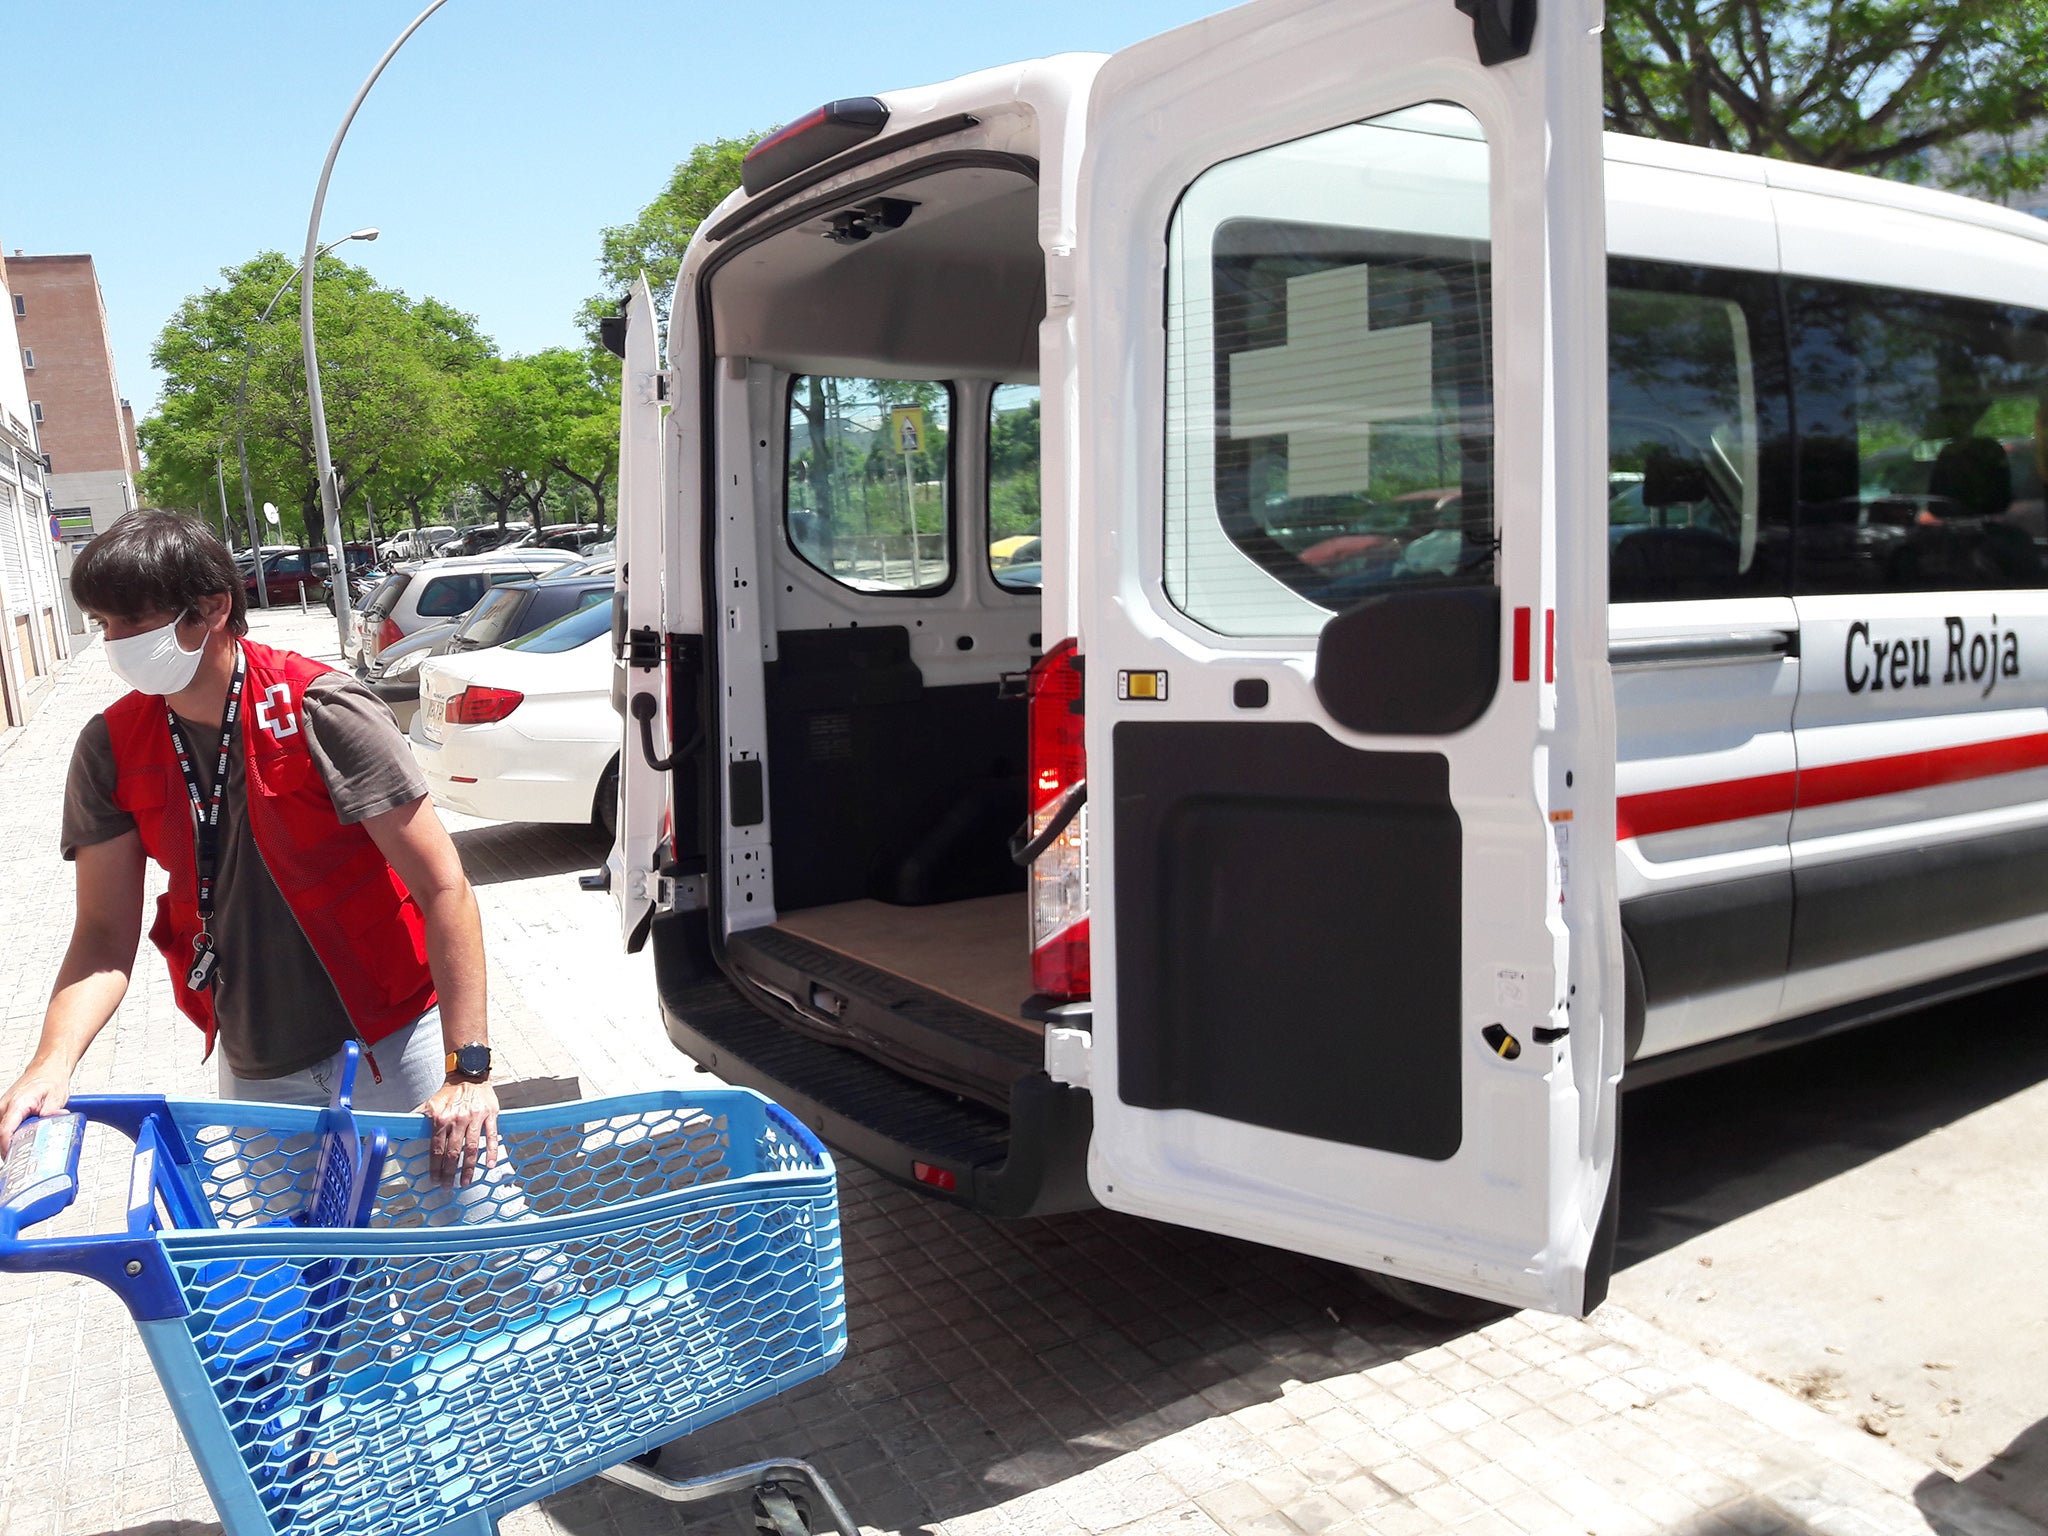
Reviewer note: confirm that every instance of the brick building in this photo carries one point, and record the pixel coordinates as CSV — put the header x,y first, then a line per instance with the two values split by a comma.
x,y
75,396
34,638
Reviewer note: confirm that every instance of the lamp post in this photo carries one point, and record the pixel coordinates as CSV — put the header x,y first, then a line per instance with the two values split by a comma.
x,y
242,399
330,498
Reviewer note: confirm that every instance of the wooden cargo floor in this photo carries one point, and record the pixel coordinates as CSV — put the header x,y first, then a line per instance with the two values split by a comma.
x,y
978,951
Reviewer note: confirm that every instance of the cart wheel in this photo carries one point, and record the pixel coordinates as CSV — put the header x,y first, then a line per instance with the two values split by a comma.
x,y
779,1510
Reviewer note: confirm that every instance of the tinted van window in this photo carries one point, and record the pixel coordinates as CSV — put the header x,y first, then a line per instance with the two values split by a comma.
x,y
1920,430
1329,391
1697,421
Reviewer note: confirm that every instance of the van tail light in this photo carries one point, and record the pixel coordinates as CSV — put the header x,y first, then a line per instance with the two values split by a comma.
x,y
477,705
388,634
1059,778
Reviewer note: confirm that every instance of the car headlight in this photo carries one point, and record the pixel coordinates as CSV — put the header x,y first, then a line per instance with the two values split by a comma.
x,y
405,666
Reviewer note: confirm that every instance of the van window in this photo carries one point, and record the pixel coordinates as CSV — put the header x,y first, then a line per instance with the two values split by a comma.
x,y
1329,374
1920,422
1013,506
1698,504
869,495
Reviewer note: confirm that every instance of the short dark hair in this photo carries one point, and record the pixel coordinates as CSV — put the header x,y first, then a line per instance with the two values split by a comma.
x,y
157,562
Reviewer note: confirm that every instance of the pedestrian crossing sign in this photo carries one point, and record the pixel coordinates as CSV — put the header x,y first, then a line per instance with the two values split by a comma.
x,y
906,428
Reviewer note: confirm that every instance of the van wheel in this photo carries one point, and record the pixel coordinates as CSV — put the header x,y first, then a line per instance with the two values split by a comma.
x,y
1433,1301
604,810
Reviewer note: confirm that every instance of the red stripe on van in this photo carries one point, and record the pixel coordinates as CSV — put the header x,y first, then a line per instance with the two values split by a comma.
x,y
1550,645
1701,805
1521,645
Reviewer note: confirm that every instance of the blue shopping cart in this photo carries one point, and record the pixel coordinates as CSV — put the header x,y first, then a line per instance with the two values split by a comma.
x,y
351,1347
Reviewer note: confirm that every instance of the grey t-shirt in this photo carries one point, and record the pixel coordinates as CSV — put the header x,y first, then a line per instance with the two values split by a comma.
x,y
276,1006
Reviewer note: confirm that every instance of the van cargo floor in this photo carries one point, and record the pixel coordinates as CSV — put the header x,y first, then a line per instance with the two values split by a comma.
x,y
978,951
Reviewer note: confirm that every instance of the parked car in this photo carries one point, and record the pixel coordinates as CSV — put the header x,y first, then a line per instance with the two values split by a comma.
x,y
502,614
525,731
286,573
484,538
414,596
416,543
572,536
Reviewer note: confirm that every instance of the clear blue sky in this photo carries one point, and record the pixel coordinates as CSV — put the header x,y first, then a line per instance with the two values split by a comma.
x,y
171,140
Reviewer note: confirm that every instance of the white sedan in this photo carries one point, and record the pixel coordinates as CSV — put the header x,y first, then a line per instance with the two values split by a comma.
x,y
525,731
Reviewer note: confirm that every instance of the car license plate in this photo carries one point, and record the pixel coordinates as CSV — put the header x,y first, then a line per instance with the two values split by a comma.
x,y
436,710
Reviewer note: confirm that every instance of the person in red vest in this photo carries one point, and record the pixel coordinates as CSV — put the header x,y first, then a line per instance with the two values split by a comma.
x,y
314,897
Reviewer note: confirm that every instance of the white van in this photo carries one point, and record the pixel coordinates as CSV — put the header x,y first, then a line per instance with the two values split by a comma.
x,y
1360,840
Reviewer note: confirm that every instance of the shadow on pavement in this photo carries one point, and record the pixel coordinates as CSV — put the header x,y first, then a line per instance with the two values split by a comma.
x,y
1704,1150
526,850
2016,1477
988,1359
168,1528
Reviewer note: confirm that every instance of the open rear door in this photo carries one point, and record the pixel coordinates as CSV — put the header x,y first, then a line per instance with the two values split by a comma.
x,y
637,630
1348,716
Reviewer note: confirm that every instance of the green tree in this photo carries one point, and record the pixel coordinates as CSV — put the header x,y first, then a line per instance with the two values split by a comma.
x,y
577,398
1885,86
389,369
654,241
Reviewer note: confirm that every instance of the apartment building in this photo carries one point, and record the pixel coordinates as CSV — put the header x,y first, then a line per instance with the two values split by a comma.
x,y
34,634
86,428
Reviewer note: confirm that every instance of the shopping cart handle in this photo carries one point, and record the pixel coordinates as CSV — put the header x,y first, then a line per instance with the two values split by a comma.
x,y
42,1180
40,1176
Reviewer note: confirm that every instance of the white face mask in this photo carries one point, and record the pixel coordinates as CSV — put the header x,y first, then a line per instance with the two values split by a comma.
x,y
154,662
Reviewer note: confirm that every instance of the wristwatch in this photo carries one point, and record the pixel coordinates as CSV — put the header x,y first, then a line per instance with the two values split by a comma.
x,y
470,1064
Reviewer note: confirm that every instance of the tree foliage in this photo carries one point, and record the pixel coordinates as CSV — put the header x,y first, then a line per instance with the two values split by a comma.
x,y
654,241
421,410
1886,86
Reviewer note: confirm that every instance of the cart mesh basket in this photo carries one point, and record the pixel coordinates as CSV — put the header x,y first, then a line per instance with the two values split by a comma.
x,y
633,1268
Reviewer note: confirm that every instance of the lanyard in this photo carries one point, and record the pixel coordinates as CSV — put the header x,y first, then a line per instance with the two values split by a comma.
x,y
206,824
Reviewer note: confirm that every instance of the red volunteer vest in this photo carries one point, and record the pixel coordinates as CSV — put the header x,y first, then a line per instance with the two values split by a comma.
x,y
356,913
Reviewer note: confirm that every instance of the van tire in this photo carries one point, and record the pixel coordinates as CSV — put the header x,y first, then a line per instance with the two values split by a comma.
x,y
1433,1301
604,807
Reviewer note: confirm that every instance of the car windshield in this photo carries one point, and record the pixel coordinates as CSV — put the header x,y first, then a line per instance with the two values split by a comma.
x,y
568,632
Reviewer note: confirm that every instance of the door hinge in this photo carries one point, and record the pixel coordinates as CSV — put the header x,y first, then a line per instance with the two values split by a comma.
x,y
676,893
643,648
651,388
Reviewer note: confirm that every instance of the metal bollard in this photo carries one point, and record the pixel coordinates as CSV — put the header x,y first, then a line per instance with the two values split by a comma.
x,y
302,597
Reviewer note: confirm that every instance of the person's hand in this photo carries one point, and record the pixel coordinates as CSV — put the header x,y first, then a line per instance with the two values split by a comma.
x,y
38,1091
465,1129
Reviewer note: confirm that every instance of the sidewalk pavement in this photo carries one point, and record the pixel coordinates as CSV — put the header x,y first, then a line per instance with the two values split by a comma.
x,y
1090,1373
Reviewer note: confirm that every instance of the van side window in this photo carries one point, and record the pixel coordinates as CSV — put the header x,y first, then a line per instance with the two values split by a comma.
x,y
869,494
1329,374
1698,501
1920,440
1013,509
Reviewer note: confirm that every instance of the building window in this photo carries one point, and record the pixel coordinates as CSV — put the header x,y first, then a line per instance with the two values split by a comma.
x,y
28,358
21,304
35,411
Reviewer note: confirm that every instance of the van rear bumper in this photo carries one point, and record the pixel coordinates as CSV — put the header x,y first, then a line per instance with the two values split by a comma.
x,y
1031,1160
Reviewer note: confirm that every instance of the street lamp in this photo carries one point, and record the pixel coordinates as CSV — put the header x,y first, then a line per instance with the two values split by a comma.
x,y
242,399
330,499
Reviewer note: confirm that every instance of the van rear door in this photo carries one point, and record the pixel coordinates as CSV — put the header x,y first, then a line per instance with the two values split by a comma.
x,y
1341,305
637,629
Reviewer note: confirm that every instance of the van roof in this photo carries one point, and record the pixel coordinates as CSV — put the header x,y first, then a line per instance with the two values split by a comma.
x,y
982,99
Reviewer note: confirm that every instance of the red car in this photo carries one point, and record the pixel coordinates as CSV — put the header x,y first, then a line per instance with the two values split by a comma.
x,y
285,574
